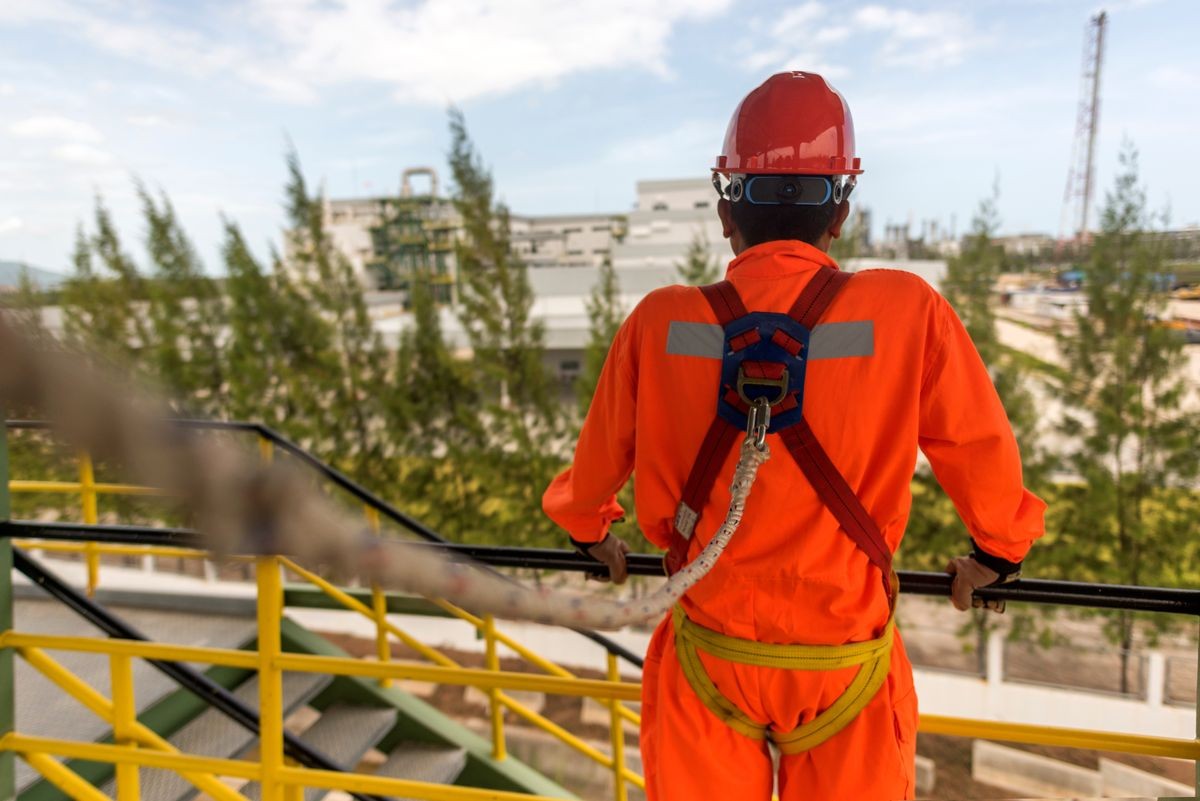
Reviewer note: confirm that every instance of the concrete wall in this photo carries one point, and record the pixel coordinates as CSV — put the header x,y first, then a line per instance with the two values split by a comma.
x,y
1014,702
1036,775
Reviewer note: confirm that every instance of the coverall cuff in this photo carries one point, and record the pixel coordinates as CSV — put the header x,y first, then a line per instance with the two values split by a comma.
x,y
1002,566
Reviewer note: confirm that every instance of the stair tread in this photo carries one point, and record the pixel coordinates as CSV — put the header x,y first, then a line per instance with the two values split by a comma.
x,y
424,762
344,732
212,733
43,709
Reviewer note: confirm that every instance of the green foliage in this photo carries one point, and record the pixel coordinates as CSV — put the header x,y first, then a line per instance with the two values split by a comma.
x,y
518,403
186,312
698,267
1133,444
352,363
971,274
605,316
98,299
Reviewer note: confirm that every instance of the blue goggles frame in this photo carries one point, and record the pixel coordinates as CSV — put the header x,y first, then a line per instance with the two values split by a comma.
x,y
784,190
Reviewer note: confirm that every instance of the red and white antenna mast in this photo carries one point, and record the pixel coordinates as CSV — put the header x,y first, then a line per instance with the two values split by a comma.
x,y
1077,199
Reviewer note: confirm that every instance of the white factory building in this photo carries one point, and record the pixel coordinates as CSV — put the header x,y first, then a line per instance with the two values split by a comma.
x,y
564,254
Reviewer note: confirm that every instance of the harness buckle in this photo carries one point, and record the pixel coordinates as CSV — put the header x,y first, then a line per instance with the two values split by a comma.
x,y
780,384
758,421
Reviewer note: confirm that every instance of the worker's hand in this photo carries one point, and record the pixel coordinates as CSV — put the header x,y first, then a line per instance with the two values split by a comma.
x,y
969,576
611,551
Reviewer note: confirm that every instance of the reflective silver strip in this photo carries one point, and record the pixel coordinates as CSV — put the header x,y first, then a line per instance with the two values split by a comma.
x,y
685,520
842,340
828,341
695,339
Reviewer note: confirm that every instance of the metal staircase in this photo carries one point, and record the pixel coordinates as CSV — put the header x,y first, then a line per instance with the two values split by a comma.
x,y
341,730
43,709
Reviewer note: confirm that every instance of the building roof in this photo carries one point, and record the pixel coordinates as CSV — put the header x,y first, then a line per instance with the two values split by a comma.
x,y
10,275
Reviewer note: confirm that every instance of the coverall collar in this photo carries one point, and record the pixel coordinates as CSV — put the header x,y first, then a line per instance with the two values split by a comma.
x,y
779,257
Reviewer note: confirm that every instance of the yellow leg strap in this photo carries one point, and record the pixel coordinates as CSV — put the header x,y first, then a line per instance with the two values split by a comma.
x,y
873,658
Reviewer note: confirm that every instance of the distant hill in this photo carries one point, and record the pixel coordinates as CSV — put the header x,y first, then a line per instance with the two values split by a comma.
x,y
10,276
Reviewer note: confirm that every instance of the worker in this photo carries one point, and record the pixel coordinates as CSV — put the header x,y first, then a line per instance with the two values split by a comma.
x,y
789,643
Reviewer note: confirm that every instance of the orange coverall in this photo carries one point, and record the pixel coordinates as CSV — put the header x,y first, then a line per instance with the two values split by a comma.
x,y
790,574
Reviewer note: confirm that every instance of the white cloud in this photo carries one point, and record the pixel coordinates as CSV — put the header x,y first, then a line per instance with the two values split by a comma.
x,y
430,51
797,40
919,39
84,154
147,120
52,127
7,90
10,224
798,21
435,51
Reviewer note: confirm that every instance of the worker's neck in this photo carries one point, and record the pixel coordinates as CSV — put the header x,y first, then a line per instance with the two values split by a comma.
x,y
739,245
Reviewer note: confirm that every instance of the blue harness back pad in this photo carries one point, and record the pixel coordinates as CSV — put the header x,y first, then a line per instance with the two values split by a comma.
x,y
764,350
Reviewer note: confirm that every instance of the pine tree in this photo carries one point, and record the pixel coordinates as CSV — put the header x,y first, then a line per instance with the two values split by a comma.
x,y
357,362
1131,442
99,304
186,311
435,409
605,316
276,349
496,303
698,266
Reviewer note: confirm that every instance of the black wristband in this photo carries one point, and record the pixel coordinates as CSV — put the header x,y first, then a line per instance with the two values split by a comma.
x,y
583,547
1002,566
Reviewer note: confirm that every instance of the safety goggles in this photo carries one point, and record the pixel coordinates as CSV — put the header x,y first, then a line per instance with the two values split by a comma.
x,y
783,190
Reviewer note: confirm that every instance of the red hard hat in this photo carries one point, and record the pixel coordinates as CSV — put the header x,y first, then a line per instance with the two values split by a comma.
x,y
794,124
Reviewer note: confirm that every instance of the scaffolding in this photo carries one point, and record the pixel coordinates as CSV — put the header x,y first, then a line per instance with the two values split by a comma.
x,y
416,236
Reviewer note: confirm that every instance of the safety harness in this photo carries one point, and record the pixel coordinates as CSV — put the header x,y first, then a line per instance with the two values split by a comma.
x,y
762,391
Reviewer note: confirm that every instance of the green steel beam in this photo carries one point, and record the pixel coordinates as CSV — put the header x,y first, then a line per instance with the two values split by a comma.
x,y
419,721
8,695
306,596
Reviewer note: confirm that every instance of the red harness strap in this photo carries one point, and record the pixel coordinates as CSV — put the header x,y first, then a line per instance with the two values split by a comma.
x,y
827,481
718,442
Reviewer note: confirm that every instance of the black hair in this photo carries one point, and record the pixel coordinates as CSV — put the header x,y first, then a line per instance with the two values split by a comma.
x,y
759,223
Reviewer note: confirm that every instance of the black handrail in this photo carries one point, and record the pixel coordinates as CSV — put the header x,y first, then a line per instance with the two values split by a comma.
x,y
332,474
1063,593
351,486
208,690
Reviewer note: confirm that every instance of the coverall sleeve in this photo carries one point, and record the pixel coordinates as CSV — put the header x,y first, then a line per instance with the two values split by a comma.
x,y
965,434
583,498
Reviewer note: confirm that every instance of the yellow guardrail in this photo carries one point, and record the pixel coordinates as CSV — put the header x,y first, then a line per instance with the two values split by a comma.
x,y
498,701
136,746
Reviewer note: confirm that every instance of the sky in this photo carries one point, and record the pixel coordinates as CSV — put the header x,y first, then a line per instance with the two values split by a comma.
x,y
569,102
